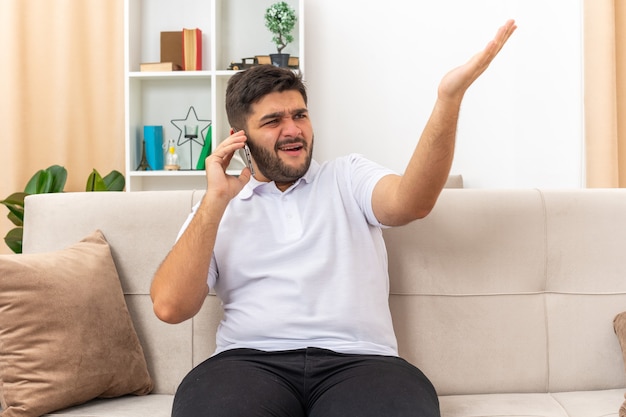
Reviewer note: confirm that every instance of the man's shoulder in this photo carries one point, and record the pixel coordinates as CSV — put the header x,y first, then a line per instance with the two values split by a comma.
x,y
333,168
344,162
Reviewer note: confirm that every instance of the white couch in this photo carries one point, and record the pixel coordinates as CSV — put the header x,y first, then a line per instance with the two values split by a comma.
x,y
504,298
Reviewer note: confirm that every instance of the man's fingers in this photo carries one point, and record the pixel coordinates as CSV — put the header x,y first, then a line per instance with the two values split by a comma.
x,y
504,33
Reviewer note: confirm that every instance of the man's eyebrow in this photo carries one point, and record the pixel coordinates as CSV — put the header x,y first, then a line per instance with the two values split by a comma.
x,y
280,114
300,111
272,116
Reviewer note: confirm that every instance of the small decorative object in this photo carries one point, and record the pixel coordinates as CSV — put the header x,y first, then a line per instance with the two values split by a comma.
x,y
153,139
280,19
244,64
191,131
143,164
171,158
191,135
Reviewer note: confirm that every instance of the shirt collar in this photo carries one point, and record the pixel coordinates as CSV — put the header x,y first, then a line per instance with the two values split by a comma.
x,y
249,189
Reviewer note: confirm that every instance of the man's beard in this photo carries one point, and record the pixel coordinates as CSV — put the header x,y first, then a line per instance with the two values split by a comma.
x,y
273,168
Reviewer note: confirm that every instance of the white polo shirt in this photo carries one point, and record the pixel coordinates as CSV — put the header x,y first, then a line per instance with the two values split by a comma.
x,y
306,267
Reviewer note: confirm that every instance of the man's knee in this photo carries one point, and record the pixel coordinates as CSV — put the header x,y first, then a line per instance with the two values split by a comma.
x,y
229,388
383,387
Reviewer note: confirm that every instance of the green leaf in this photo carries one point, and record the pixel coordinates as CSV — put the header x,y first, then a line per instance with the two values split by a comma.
x,y
15,204
15,199
49,180
95,182
115,181
13,239
58,176
36,182
16,219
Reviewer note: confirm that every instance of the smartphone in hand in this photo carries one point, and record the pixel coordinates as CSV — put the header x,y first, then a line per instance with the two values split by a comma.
x,y
245,154
247,158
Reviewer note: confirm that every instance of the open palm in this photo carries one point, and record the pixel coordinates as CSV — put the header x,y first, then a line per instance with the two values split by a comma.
x,y
456,82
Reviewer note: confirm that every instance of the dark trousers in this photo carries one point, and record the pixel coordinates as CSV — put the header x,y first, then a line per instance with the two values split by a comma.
x,y
306,382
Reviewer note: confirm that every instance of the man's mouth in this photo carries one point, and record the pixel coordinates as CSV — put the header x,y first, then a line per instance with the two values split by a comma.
x,y
291,147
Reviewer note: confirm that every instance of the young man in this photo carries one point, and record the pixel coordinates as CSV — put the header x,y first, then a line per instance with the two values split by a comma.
x,y
296,256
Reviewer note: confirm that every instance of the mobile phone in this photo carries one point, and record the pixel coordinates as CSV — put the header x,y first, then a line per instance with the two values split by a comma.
x,y
247,158
245,154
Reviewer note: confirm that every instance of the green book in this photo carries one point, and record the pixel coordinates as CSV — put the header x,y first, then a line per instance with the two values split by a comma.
x,y
206,150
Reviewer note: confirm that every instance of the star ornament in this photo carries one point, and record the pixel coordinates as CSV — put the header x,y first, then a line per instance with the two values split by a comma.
x,y
191,119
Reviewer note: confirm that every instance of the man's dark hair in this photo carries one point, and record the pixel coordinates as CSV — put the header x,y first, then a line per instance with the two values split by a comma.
x,y
247,87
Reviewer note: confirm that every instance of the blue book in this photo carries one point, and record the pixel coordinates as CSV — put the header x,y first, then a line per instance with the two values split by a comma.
x,y
153,136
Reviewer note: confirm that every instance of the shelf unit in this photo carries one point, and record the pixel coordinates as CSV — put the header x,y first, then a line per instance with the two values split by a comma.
x,y
231,30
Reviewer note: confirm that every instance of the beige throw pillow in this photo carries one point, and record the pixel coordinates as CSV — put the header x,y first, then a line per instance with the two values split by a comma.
x,y
619,324
65,333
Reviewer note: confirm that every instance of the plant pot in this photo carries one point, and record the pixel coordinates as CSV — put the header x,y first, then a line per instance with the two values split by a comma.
x,y
280,60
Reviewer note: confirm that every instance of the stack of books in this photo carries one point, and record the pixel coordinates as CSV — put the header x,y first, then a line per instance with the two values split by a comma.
x,y
180,50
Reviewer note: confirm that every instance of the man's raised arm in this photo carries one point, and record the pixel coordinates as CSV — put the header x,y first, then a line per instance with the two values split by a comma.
x,y
398,200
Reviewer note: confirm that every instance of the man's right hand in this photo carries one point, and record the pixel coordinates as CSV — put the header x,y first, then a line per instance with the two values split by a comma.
x,y
219,184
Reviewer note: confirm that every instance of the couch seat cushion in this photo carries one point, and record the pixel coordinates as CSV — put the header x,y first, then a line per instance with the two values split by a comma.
x,y
604,403
568,404
130,406
573,404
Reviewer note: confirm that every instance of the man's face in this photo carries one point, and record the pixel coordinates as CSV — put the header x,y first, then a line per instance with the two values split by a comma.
x,y
280,137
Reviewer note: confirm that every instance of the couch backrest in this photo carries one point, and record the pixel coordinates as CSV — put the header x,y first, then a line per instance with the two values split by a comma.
x,y
141,228
495,291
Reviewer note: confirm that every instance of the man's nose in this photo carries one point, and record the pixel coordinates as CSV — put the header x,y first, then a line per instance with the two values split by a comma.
x,y
290,128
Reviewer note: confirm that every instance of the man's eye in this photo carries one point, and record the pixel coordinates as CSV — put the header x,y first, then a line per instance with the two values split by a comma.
x,y
300,116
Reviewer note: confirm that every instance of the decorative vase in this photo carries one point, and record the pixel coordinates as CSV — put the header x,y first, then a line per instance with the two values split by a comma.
x,y
280,60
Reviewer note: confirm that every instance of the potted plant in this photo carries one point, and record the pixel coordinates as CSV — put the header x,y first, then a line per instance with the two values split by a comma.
x,y
280,19
51,180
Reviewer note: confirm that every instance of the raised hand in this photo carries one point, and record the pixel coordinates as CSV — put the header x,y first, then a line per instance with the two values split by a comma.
x,y
456,82
220,184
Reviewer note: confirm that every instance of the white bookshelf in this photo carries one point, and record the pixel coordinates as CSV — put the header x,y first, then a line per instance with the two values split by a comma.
x,y
231,30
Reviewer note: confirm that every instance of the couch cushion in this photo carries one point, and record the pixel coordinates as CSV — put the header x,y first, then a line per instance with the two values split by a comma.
x,y
572,404
487,405
601,403
149,405
565,404
65,333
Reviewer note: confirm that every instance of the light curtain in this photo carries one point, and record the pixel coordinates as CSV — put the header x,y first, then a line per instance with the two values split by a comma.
x,y
62,91
605,92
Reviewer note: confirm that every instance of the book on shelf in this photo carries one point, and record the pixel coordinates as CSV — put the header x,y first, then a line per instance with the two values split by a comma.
x,y
206,150
172,47
159,66
263,59
192,49
153,139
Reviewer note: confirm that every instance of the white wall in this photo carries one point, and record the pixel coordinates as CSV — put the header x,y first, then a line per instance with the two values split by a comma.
x,y
372,69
